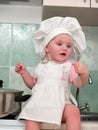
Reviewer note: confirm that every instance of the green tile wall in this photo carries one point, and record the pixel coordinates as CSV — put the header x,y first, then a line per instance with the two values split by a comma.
x,y
22,48
5,42
16,45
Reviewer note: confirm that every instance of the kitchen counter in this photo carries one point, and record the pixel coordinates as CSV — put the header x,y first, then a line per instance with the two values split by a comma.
x,y
19,125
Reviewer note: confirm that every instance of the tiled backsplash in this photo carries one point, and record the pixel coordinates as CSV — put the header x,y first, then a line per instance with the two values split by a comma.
x,y
16,45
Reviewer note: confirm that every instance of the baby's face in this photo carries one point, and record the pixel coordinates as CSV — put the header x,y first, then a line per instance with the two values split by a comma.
x,y
59,48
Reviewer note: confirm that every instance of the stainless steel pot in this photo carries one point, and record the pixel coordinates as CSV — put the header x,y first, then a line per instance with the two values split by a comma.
x,y
10,102
8,105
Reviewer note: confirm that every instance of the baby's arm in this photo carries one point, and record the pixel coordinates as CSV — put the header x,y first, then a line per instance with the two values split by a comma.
x,y
83,74
27,78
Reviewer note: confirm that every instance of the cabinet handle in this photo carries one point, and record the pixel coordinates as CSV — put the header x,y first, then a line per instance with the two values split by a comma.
x,y
84,1
96,1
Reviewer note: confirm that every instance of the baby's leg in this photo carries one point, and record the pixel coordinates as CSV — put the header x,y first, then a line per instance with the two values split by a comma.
x,y
32,125
71,115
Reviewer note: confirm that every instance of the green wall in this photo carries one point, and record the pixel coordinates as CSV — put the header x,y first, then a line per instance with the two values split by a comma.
x,y
16,45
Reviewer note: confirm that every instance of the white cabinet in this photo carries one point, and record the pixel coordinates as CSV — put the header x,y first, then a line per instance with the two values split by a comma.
x,y
94,3
86,11
73,3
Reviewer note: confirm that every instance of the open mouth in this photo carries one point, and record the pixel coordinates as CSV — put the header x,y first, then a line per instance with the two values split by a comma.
x,y
63,54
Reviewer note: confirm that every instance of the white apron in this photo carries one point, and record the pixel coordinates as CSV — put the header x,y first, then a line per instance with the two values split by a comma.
x,y
50,94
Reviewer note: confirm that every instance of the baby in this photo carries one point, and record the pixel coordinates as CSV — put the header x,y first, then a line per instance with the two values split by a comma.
x,y
60,43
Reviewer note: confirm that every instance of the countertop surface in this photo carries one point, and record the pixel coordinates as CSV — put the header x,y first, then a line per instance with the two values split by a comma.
x,y
85,125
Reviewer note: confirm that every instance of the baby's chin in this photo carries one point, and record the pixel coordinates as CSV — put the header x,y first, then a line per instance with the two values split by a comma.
x,y
59,61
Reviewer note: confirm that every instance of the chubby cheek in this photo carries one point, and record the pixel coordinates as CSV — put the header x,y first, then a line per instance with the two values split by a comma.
x,y
53,54
50,50
69,53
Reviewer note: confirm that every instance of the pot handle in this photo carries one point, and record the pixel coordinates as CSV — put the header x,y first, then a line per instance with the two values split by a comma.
x,y
22,98
1,83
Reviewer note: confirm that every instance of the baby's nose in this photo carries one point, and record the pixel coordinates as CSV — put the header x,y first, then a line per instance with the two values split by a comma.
x,y
64,47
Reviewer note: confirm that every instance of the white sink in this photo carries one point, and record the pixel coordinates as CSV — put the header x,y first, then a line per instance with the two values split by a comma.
x,y
89,116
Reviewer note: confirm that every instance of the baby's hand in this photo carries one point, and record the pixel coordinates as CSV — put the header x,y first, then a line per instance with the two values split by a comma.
x,y
80,68
20,68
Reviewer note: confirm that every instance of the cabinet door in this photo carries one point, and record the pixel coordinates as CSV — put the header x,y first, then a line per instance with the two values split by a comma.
x,y
94,3
73,3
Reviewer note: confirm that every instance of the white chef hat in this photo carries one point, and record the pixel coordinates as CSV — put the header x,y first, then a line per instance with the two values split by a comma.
x,y
54,26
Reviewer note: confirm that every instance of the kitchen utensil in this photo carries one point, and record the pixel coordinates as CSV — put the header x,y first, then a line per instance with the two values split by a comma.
x,y
10,101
